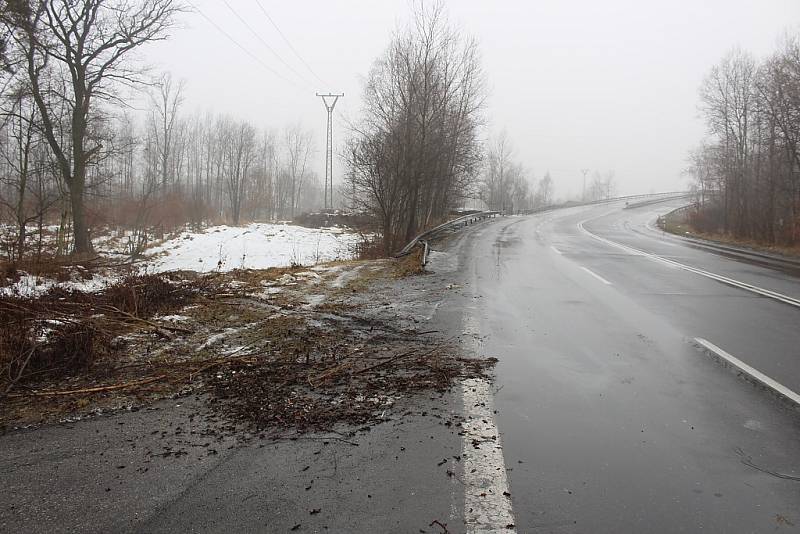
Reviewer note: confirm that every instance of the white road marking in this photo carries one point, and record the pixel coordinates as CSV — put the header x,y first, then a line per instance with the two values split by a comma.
x,y
606,282
556,250
487,505
672,263
755,374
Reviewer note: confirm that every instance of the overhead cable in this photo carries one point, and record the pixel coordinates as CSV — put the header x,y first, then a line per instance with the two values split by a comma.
x,y
289,44
243,49
272,51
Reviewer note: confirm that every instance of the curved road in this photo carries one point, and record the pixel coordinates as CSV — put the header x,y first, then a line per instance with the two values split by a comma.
x,y
612,417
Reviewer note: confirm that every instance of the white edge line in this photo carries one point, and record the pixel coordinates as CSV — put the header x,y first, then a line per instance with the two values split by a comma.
x,y
556,250
755,374
606,282
725,280
487,505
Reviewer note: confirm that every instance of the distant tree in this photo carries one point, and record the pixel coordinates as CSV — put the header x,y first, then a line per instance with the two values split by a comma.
x,y
298,151
241,155
544,192
603,186
497,176
166,101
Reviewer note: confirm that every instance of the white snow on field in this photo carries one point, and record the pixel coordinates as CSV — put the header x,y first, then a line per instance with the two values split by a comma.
x,y
255,246
32,286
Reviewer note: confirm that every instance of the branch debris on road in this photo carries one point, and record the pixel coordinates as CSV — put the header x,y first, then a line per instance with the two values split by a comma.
x,y
284,349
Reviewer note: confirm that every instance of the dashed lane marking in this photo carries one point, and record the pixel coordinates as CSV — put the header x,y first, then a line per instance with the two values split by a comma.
x,y
606,282
753,373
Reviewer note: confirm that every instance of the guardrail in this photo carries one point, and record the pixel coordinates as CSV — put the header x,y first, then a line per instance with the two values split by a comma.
x,y
422,239
657,197
661,222
650,201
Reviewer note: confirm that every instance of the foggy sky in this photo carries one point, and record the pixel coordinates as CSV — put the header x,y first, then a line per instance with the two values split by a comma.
x,y
604,85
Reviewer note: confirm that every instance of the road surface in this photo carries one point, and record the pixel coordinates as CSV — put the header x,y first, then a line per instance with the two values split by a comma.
x,y
612,418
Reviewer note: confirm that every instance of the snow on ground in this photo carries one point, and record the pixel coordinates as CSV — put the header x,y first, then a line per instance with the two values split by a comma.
x,y
32,286
255,246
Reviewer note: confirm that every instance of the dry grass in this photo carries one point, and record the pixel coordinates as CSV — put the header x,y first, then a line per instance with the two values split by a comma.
x,y
410,265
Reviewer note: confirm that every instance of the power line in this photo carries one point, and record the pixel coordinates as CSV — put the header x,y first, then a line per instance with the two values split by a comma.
x,y
272,51
289,44
246,51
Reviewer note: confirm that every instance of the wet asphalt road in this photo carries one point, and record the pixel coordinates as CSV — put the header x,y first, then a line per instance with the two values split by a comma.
x,y
612,419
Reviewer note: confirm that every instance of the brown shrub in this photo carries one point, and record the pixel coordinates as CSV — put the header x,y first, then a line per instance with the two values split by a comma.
x,y
30,345
410,264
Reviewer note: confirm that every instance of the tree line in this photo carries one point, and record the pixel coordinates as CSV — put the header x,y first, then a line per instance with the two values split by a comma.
x,y
747,173
72,155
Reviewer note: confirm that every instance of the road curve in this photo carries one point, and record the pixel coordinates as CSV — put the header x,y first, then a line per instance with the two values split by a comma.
x,y
613,419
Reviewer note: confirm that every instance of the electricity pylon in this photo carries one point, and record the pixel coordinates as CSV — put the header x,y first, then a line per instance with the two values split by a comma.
x,y
329,105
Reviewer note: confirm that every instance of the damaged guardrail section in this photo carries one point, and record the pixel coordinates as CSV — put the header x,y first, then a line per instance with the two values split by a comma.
x,y
422,239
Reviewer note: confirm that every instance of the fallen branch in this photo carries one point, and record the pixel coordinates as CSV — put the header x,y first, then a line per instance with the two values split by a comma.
x,y
151,324
395,358
330,373
98,389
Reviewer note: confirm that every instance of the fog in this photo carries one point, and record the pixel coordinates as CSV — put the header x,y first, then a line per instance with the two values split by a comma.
x,y
608,86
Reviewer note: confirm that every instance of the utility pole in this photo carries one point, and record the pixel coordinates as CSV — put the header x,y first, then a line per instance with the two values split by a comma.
x,y
330,102
583,195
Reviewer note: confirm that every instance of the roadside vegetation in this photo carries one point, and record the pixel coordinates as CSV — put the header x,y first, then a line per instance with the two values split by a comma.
x,y
684,222
747,173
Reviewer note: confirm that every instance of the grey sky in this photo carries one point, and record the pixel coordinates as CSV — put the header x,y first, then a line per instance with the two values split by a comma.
x,y
606,85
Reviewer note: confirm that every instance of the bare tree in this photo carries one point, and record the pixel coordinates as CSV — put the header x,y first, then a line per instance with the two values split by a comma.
x,y
86,44
603,186
748,172
416,151
544,192
728,101
298,151
240,154
165,103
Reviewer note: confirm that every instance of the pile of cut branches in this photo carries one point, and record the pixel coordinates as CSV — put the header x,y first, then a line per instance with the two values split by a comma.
x,y
63,332
340,371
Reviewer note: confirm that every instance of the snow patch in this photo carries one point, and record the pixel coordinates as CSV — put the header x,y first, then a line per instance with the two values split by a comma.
x,y
255,246
30,286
